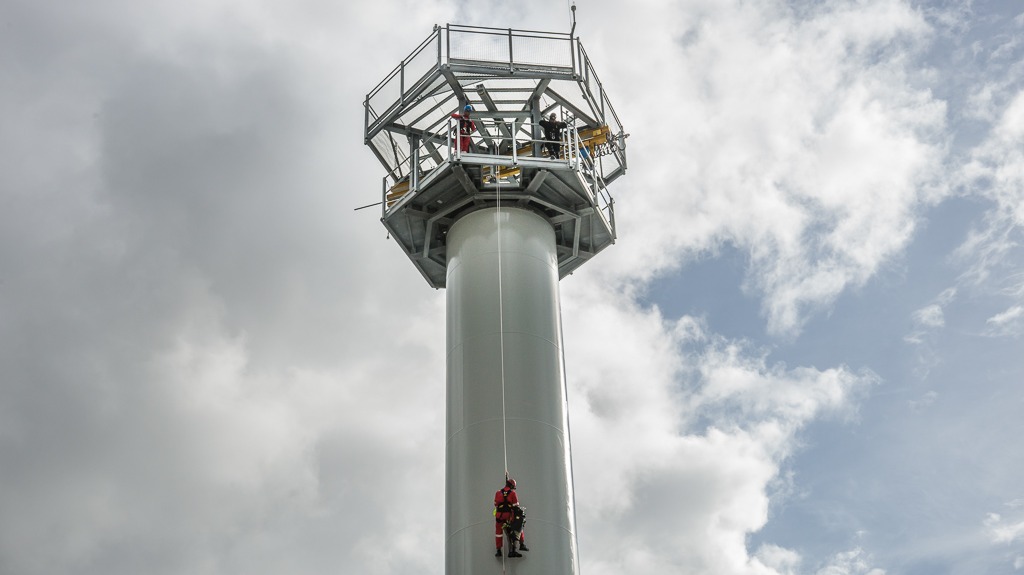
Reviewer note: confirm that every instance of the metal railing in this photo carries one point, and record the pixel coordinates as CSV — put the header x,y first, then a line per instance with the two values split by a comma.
x,y
496,143
509,47
384,96
472,47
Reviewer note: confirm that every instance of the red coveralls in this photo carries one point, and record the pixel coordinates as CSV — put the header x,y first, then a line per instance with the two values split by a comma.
x,y
504,499
466,128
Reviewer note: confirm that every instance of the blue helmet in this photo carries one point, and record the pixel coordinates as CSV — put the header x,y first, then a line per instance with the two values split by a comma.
x,y
468,108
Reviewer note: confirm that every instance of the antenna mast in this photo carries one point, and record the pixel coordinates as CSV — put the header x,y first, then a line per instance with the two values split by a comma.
x,y
573,29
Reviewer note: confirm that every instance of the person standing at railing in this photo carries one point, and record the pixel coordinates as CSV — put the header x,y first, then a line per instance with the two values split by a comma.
x,y
465,128
553,134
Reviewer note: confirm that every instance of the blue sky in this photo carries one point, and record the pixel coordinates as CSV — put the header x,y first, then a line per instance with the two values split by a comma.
x,y
803,355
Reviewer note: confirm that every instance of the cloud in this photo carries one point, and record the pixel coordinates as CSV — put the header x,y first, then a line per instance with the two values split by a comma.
x,y
813,162
690,479
854,562
198,340
1006,532
209,368
926,400
780,560
1003,532
996,172
1008,322
927,321
995,69
930,316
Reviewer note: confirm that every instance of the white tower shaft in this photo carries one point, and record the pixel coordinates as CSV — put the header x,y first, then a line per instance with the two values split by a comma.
x,y
506,399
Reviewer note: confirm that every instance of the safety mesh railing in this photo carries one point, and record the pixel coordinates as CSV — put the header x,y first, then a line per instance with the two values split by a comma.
x,y
542,50
411,72
415,96
479,44
521,51
508,47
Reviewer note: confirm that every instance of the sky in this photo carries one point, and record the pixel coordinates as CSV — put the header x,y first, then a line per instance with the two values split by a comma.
x,y
801,357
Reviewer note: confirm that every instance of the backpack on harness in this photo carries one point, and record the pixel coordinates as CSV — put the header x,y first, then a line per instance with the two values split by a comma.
x,y
514,527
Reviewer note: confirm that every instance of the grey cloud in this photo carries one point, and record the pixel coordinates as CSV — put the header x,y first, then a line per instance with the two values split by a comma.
x,y
210,364
176,296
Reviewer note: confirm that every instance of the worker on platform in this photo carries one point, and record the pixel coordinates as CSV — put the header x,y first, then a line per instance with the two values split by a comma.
x,y
553,134
465,128
506,504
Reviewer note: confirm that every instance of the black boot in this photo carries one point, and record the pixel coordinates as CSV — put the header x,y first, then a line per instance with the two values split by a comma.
x,y
514,553
497,552
522,546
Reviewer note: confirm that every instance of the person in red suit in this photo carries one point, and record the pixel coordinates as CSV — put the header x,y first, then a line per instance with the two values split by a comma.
x,y
506,503
466,127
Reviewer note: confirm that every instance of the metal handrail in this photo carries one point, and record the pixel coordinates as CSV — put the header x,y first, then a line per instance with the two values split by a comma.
x,y
571,143
444,57
580,67
404,61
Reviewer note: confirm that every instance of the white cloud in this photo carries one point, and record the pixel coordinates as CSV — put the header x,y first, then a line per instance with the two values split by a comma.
x,y
925,401
854,562
996,172
780,560
930,316
1007,322
686,483
1002,531
996,69
812,161
927,321
991,251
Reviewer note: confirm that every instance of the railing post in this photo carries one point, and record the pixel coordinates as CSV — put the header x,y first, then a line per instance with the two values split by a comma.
x,y
414,166
572,55
611,215
511,59
457,138
570,136
515,145
575,149
366,119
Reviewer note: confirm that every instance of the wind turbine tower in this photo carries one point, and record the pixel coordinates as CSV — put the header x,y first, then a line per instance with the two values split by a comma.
x,y
497,212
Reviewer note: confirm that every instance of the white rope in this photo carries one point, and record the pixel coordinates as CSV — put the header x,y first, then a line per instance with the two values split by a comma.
x,y
501,344
501,329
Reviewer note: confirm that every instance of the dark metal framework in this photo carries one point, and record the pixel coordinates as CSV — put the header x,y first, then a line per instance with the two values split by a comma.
x,y
512,78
